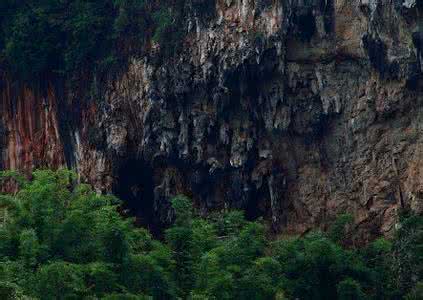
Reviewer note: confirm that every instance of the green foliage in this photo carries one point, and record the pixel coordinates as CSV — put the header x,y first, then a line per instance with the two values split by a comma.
x,y
416,293
168,30
10,291
100,278
408,252
74,37
59,280
125,296
337,231
45,37
29,247
61,240
313,266
30,42
228,223
131,22
163,20
88,33
9,243
349,289
180,238
378,256
76,243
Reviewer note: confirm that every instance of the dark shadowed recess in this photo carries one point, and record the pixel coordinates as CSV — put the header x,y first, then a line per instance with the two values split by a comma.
x,y
134,186
304,14
415,81
3,132
377,53
259,203
306,24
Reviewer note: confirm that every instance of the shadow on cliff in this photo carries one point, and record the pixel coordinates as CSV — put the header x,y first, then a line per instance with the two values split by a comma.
x,y
134,186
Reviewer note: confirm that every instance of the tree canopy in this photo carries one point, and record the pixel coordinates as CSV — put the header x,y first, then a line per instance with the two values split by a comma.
x,y
42,38
61,240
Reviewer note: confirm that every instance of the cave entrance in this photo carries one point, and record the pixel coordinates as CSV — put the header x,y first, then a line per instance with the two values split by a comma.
x,y
306,24
134,186
258,203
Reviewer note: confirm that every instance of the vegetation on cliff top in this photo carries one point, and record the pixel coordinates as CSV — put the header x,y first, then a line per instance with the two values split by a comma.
x,y
61,240
39,38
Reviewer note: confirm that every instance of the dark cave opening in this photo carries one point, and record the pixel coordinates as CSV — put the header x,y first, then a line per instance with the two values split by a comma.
x,y
305,24
327,8
258,203
134,186
376,51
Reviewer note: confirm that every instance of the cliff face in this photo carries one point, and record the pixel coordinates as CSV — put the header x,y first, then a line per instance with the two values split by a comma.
x,y
292,110
29,130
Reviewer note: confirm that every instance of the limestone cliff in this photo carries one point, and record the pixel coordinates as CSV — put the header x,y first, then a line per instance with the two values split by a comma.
x,y
294,110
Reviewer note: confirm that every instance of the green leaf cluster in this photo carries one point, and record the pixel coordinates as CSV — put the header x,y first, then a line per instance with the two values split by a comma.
x,y
61,240
69,38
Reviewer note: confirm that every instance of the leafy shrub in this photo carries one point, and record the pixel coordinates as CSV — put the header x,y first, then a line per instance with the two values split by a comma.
x,y
61,240
64,38
408,252
337,231
349,289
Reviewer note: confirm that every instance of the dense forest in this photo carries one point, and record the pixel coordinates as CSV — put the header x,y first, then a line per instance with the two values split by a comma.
x,y
41,38
61,240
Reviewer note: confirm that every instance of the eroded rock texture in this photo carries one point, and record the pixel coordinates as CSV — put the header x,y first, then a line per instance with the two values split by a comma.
x,y
292,110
